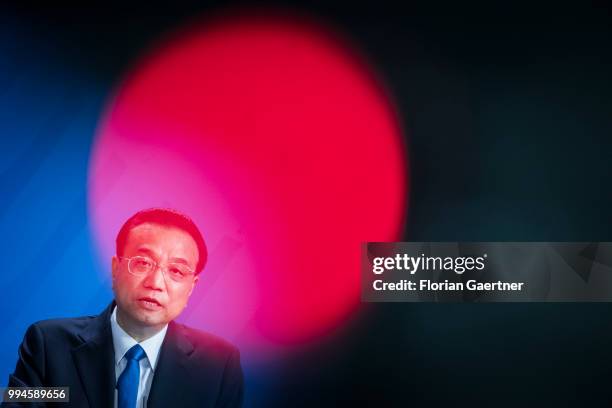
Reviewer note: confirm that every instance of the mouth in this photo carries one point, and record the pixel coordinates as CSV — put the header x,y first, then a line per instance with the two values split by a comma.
x,y
149,303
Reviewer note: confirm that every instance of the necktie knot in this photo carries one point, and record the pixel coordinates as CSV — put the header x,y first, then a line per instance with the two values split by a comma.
x,y
135,353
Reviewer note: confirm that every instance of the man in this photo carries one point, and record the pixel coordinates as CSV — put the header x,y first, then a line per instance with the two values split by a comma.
x,y
134,355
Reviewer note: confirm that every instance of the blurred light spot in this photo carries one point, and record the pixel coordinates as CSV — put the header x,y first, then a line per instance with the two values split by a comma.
x,y
274,136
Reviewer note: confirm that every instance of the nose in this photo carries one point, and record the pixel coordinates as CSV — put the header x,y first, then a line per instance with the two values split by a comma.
x,y
155,279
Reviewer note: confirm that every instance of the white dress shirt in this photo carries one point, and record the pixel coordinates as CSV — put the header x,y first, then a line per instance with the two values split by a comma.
x,y
122,342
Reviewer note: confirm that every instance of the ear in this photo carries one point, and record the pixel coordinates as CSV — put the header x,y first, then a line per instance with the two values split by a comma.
x,y
114,266
195,280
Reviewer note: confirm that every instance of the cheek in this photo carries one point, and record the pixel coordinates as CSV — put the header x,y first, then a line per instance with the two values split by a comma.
x,y
124,285
179,297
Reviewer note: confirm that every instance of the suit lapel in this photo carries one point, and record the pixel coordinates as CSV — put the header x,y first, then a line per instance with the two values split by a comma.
x,y
95,359
171,371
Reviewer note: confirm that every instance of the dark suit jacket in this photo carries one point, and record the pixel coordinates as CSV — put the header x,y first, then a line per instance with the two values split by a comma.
x,y
195,369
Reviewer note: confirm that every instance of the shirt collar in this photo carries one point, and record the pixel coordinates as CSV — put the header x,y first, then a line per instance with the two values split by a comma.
x,y
122,342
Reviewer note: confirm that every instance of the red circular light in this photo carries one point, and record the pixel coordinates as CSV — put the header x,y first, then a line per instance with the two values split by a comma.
x,y
273,135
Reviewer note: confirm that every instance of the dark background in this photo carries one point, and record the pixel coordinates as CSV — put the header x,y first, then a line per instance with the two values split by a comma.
x,y
507,112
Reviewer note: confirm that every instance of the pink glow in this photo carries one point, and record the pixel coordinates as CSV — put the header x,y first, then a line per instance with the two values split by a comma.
x,y
273,136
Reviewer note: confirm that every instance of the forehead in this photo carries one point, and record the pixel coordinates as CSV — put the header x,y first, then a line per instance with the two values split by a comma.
x,y
162,240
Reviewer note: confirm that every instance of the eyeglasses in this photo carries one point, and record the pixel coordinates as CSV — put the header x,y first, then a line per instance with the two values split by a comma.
x,y
143,265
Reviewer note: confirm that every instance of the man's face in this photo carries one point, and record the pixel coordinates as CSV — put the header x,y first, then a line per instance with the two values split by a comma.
x,y
152,299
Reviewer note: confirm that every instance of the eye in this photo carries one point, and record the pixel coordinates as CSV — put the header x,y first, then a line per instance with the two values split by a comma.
x,y
176,271
143,263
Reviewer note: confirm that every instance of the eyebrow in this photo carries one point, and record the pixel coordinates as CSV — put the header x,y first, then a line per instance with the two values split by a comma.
x,y
179,260
152,254
147,251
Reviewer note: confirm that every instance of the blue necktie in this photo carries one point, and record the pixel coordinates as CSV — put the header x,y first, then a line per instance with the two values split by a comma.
x,y
127,384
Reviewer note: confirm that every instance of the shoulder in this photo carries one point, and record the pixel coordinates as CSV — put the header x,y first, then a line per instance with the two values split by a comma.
x,y
52,330
63,325
205,341
206,362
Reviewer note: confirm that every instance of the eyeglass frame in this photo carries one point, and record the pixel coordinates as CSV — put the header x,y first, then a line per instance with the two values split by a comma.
x,y
156,265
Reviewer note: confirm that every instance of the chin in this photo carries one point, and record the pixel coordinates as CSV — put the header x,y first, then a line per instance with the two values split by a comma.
x,y
148,318
151,320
